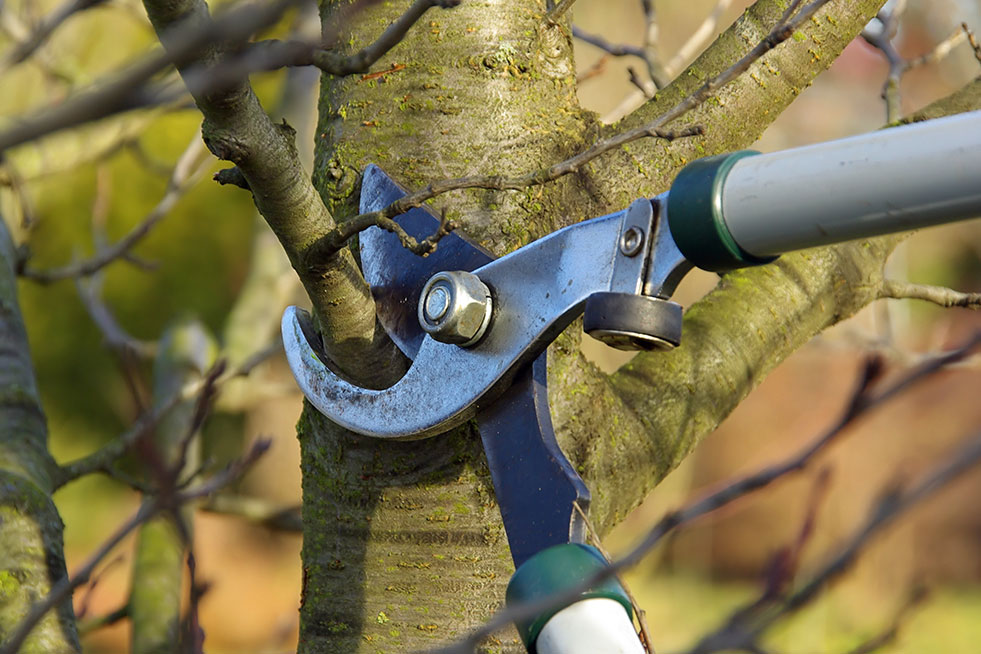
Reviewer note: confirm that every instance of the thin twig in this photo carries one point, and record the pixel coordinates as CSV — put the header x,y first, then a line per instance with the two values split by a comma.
x,y
695,43
788,24
101,459
940,295
257,510
126,90
270,55
893,504
133,87
862,401
973,41
613,49
190,167
86,627
114,336
62,590
882,40
556,13
23,50
645,632
916,598
595,70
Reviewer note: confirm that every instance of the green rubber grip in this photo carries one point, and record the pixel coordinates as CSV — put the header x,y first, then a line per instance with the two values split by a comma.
x,y
695,215
552,571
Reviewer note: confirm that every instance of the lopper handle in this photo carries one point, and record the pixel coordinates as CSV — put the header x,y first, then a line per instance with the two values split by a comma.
x,y
745,208
598,622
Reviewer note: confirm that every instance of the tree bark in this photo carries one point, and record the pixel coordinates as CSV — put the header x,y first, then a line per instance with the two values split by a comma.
x,y
32,556
403,546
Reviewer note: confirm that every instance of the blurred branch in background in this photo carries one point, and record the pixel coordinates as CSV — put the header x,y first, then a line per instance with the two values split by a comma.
x,y
29,45
189,169
248,321
169,502
661,74
746,626
882,38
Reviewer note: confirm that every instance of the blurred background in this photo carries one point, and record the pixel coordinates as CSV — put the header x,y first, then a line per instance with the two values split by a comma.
x,y
210,260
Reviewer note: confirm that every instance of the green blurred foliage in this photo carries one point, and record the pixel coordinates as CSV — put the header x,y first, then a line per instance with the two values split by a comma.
x,y
682,607
199,251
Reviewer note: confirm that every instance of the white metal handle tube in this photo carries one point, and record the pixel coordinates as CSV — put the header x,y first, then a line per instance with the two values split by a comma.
x,y
888,181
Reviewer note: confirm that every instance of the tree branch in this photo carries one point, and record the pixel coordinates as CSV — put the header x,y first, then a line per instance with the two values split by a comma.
x,y
237,129
189,168
864,398
973,41
277,54
881,39
744,631
23,50
336,239
945,297
33,559
102,459
62,590
787,25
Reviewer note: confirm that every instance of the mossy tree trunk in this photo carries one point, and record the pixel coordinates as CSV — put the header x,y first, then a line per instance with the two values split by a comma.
x,y
403,546
32,559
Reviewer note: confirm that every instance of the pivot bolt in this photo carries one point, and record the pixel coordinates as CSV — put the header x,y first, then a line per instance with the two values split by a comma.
x,y
455,307
631,241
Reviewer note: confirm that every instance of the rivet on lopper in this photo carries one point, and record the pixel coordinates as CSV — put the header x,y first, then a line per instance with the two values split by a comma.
x,y
632,241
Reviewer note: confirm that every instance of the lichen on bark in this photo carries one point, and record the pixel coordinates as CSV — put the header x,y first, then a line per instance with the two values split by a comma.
x,y
32,556
487,89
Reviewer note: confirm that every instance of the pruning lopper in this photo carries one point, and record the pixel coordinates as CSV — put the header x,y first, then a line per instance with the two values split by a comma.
x,y
477,328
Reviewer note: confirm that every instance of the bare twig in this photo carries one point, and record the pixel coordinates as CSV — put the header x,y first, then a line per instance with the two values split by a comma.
x,y
147,510
190,167
102,459
595,70
882,40
115,337
916,597
645,632
705,31
940,51
945,297
257,510
745,632
18,32
973,41
556,12
335,240
107,620
133,88
647,87
863,400
127,90
613,49
685,53
269,55
787,25
23,50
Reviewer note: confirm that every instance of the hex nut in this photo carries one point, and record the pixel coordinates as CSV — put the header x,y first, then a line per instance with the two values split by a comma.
x,y
455,307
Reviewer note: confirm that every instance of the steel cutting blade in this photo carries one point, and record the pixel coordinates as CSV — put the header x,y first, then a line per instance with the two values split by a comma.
x,y
396,275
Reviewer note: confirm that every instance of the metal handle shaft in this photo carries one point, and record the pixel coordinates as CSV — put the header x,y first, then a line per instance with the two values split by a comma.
x,y
888,181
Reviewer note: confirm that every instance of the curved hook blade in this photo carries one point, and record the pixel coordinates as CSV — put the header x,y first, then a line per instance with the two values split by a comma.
x,y
536,290
395,275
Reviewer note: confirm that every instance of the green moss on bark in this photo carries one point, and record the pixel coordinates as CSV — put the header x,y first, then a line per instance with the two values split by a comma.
x,y
31,549
392,528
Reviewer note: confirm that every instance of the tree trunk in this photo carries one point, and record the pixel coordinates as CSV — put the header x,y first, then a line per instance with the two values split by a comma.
x,y
403,544
32,556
